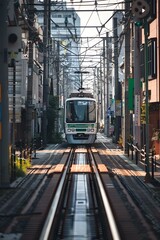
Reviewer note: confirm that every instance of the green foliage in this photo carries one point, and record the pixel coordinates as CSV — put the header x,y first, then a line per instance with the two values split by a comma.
x,y
21,167
52,115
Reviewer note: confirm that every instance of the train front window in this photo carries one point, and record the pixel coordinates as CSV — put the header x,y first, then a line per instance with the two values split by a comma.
x,y
80,111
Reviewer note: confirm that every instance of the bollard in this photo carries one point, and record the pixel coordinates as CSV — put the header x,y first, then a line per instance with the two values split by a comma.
x,y
13,163
34,152
34,147
136,153
14,159
132,149
145,158
41,143
155,163
20,158
152,163
30,154
128,149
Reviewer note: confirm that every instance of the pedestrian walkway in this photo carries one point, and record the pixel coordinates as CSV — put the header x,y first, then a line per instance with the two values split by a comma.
x,y
139,166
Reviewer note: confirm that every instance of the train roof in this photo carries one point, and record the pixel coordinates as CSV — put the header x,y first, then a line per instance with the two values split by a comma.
x,y
81,94
80,98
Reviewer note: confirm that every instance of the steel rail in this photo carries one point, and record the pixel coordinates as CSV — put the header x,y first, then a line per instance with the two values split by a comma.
x,y
109,214
51,215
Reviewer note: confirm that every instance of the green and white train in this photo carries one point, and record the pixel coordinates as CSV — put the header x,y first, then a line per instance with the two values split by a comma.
x,y
80,118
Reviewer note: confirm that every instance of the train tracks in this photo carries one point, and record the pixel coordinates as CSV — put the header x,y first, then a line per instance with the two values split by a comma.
x,y
81,189
142,197
79,193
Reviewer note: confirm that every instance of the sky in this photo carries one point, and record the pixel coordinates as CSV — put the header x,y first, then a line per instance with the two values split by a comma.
x,y
96,15
96,20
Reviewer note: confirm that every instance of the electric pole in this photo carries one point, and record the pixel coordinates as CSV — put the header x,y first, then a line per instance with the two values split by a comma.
x,y
137,88
117,83
45,70
141,11
30,76
107,89
126,133
104,85
4,112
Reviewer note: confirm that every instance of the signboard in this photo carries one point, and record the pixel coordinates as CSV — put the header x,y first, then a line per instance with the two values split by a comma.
x,y
137,110
131,93
143,113
118,108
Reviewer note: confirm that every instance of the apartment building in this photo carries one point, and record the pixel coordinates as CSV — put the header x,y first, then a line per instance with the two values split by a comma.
x,y
154,74
145,39
25,79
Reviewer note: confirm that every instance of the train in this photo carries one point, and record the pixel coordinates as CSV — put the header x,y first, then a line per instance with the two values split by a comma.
x,y
80,118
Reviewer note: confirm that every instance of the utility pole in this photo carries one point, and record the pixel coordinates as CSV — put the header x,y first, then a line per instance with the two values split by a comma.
x,y
107,89
4,112
104,84
58,68
141,10
98,94
147,177
137,88
101,91
117,126
30,76
126,132
58,87
13,157
45,70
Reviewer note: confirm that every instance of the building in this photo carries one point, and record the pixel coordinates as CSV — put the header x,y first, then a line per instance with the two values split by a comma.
x,y
25,65
144,91
64,48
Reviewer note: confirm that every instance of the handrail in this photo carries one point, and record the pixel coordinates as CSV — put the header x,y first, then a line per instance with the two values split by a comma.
x,y
142,153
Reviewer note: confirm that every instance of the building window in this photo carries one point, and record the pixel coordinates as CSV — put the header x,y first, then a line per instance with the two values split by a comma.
x,y
152,59
67,15
153,9
56,16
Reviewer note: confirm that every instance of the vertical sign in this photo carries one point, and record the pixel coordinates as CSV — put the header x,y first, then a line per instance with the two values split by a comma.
x,y
137,110
131,93
118,108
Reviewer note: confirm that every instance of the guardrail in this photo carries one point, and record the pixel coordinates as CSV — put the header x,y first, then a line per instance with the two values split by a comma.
x,y
139,155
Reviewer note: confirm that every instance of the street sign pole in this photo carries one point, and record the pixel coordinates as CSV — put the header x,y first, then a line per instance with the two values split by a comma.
x,y
147,177
4,112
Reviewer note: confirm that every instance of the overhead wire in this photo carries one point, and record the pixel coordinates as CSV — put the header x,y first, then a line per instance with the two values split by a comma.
x,y
90,38
100,34
90,3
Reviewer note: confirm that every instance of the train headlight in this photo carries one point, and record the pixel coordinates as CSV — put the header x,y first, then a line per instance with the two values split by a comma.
x,y
90,130
71,130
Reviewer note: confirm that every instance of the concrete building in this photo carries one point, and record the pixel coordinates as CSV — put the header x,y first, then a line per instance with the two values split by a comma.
x,y
24,74
64,48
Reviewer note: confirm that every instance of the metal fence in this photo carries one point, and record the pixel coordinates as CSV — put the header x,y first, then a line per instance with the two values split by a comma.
x,y
139,156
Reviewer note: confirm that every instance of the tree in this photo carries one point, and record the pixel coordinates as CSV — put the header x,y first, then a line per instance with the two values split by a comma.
x,y
52,116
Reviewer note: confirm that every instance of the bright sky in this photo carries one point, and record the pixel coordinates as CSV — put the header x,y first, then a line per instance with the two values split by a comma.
x,y
97,15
